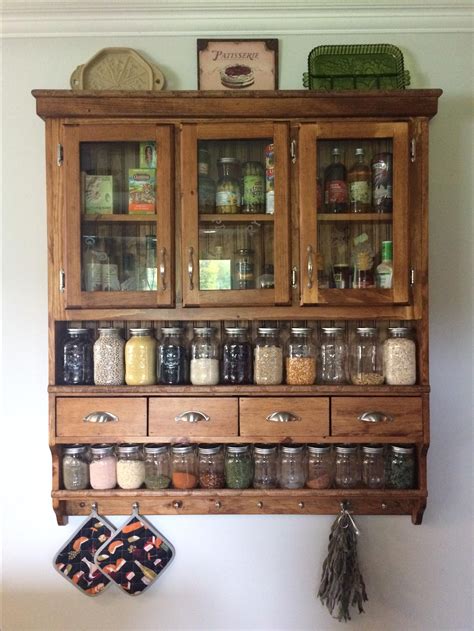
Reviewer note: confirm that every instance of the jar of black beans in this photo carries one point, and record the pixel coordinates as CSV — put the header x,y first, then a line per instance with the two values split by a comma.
x,y
78,367
172,358
236,357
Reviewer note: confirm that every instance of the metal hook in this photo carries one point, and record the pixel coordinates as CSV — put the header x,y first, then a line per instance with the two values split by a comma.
x,y
345,514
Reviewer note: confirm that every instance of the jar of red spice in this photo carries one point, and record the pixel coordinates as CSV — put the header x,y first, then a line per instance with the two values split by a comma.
x,y
211,467
320,467
184,467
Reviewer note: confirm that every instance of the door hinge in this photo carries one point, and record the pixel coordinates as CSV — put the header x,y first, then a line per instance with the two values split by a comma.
x,y
293,151
59,155
412,150
62,280
294,277
412,277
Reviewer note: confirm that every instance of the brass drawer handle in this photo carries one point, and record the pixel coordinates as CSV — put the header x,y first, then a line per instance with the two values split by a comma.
x,y
100,417
309,266
283,417
192,417
375,417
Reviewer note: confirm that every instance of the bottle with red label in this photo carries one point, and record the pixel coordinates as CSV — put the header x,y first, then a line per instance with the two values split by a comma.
x,y
335,185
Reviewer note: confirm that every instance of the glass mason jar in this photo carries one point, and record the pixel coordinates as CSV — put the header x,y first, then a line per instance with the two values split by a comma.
x,y
157,466
301,357
109,362
211,466
103,467
228,186
184,467
348,471
373,466
77,358
236,357
366,358
268,358
172,360
333,351
244,269
238,467
402,467
399,358
292,467
253,188
204,365
320,467
130,467
140,358
265,463
75,468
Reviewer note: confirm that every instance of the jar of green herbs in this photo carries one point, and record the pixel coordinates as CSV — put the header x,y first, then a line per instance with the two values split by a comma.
x,y
238,467
402,467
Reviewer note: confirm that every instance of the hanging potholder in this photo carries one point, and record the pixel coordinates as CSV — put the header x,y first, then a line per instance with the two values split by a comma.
x,y
75,560
135,555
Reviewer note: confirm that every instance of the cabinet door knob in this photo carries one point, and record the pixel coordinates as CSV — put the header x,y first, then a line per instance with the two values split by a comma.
x,y
100,417
283,417
191,268
192,416
163,268
375,417
309,266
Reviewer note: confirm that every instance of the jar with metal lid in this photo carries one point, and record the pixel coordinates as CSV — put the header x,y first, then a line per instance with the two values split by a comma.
x,y
130,467
204,365
157,466
301,357
402,467
373,466
265,463
236,357
366,367
140,358
399,358
109,361
228,186
244,269
333,352
238,467
103,467
172,366
348,473
211,466
77,369
253,188
184,467
320,467
268,357
75,467
292,466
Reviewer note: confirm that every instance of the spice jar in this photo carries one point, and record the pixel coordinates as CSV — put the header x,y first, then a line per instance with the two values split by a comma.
x,y
75,468
347,466
366,358
109,362
402,467
265,462
301,357
140,358
204,369
399,358
77,358
157,466
211,466
130,467
332,366
228,186
244,269
320,467
373,466
103,467
184,467
292,467
268,357
172,367
238,467
236,357
253,188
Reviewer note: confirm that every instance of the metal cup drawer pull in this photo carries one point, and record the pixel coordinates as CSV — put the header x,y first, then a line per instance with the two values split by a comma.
x,y
100,417
375,417
192,417
283,417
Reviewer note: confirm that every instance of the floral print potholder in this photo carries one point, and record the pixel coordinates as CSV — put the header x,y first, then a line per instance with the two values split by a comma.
x,y
75,560
135,555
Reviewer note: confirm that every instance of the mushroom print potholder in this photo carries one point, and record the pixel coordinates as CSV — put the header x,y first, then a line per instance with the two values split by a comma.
x,y
135,555
75,560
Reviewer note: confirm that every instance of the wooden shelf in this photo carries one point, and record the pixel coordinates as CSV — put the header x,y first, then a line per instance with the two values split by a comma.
x,y
236,218
368,217
120,218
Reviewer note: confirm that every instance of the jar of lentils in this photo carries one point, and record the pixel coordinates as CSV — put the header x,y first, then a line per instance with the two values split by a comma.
x,y
109,361
366,358
157,467
301,357
172,365
236,357
333,356
320,467
130,467
103,467
77,358
402,467
211,466
75,468
140,358
184,467
238,467
373,466
292,467
399,358
204,369
265,462
348,472
268,358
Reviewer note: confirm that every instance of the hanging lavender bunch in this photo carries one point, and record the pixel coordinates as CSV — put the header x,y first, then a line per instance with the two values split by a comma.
x,y
342,585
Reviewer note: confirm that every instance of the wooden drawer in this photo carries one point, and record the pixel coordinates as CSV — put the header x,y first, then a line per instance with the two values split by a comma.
x,y
386,416
193,416
129,412
282,417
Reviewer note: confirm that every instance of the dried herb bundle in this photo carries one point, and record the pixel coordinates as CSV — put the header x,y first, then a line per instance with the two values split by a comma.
x,y
342,585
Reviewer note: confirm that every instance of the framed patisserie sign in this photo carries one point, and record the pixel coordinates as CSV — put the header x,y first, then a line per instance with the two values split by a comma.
x,y
242,64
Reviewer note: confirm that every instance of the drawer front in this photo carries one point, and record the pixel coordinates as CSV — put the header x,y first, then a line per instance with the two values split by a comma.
x,y
120,416
193,416
282,417
384,416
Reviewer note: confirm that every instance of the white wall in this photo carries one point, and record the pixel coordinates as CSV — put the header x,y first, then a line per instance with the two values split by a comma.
x,y
242,572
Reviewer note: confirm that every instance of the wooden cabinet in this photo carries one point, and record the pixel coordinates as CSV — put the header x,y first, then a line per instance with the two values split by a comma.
x,y
142,233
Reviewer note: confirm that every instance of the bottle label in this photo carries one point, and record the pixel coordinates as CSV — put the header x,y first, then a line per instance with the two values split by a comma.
x,y
270,207
359,192
384,279
382,193
203,168
110,281
227,198
336,192
253,189
93,276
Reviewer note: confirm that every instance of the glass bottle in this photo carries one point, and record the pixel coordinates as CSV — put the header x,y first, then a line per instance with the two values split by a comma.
x,y
320,467
244,269
109,361
267,279
402,467
103,467
228,186
399,358
384,270
211,466
172,357
77,369
300,357
265,462
157,466
333,357
92,260
373,466
363,260
359,178
236,357
75,468
366,366
238,467
204,365
140,358
130,467
268,358
184,467
253,188
382,184
335,185
292,467
206,185
151,271
348,472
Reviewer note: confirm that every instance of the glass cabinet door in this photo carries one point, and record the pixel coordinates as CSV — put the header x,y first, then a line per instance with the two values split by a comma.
x,y
118,215
353,201
235,214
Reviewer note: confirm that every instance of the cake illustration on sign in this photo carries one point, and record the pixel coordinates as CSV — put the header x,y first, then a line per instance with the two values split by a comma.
x,y
237,76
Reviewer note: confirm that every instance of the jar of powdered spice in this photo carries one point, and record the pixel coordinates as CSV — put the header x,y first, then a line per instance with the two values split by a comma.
x,y
184,467
320,467
103,467
130,467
